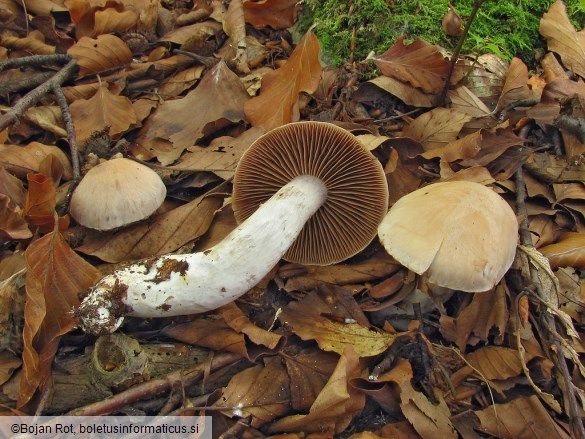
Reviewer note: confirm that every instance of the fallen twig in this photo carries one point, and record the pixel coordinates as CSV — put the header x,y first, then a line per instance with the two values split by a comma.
x,y
154,387
558,356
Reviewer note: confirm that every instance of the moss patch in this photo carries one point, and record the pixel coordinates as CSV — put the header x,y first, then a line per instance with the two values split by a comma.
x,y
506,29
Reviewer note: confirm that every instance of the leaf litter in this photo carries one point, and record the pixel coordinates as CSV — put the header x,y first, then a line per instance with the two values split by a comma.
x,y
361,349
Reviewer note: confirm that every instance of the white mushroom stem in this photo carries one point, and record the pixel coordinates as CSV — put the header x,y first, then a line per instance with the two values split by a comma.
x,y
193,283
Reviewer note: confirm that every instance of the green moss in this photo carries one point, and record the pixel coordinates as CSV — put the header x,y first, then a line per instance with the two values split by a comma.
x,y
506,29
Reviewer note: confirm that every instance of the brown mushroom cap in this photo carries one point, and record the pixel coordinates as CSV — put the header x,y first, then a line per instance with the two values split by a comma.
x,y
462,234
116,193
357,197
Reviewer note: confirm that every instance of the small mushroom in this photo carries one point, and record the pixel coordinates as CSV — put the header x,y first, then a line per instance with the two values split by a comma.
x,y
461,234
116,193
309,190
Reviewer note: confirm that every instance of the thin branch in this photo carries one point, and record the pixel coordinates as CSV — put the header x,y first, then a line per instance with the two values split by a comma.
x,y
153,387
71,138
34,61
559,358
457,50
32,97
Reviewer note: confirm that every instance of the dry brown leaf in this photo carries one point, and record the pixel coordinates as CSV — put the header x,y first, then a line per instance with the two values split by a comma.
x,y
12,223
335,406
39,206
93,18
12,277
9,363
562,37
279,97
210,332
494,143
55,276
164,234
48,118
278,14
12,187
436,127
33,43
496,362
523,417
262,392
239,322
569,251
102,111
180,81
516,85
217,101
464,100
401,180
195,35
309,371
307,321
569,191
420,64
463,148
428,419
221,156
376,267
407,93
20,160
44,7
105,53
234,25
487,78
486,311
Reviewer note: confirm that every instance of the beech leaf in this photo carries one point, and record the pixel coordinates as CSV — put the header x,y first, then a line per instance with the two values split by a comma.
x,y
569,251
55,277
279,96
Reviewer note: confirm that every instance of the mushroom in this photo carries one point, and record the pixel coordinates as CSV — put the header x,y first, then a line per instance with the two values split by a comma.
x,y
308,191
116,193
461,234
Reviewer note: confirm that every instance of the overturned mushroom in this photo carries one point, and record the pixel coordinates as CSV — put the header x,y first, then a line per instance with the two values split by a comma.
x,y
307,189
461,234
116,193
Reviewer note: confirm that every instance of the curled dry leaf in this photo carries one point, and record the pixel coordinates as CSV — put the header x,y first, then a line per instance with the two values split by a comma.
x,y
240,323
279,97
562,37
420,64
33,43
12,223
44,7
96,18
569,251
55,276
407,93
102,111
20,160
278,14
234,25
105,53
39,206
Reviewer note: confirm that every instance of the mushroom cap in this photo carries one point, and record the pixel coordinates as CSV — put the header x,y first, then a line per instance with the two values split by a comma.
x,y
357,192
116,193
461,233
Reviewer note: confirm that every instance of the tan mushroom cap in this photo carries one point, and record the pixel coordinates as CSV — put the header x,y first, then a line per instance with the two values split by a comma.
x,y
357,197
462,234
116,193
